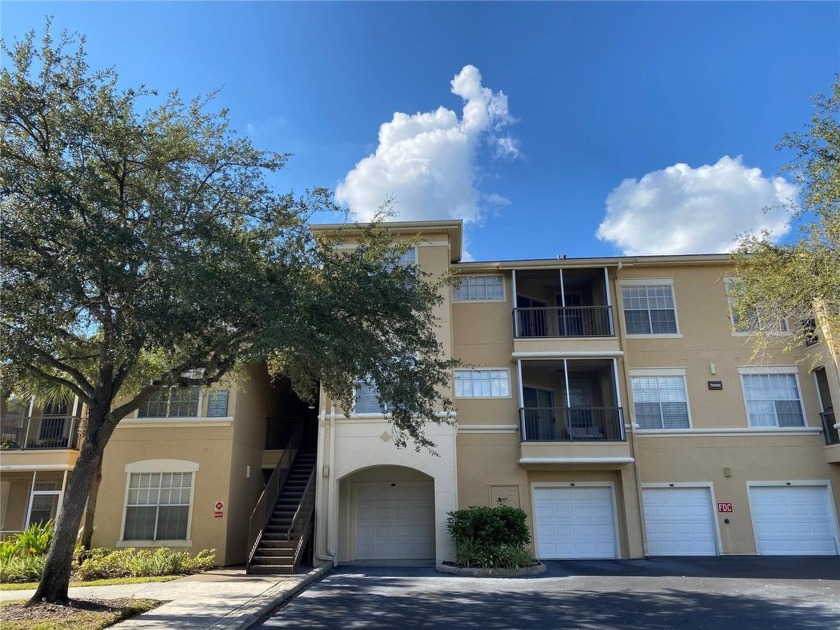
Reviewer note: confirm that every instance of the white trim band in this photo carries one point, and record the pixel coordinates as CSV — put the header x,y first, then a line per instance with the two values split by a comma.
x,y
576,460
488,428
724,432
568,354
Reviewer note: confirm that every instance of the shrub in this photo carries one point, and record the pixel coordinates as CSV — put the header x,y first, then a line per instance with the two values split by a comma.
x,y
22,568
34,541
490,537
104,563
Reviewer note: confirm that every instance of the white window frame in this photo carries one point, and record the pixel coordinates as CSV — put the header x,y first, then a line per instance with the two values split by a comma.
x,y
790,370
158,466
733,326
649,282
383,411
464,282
657,372
487,369
416,257
198,414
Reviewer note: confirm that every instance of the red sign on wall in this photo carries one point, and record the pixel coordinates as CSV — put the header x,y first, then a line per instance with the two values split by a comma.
x,y
218,514
724,507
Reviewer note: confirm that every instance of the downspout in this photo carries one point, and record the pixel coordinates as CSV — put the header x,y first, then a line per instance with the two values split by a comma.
x,y
628,386
329,553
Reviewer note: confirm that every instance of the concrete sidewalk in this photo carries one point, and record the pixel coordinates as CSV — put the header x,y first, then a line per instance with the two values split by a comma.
x,y
225,599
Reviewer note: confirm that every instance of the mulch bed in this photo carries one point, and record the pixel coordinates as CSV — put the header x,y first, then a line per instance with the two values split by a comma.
x,y
44,612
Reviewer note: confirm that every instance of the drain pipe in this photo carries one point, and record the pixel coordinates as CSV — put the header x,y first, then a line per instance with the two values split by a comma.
x,y
628,387
329,556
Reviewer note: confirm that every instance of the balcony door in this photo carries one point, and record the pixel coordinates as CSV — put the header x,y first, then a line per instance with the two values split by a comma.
x,y
52,423
581,425
532,320
540,418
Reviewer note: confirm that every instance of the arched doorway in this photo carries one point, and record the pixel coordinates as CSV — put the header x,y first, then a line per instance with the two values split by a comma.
x,y
387,516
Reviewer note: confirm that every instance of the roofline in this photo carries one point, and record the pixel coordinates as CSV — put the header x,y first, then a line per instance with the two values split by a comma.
x,y
454,228
610,261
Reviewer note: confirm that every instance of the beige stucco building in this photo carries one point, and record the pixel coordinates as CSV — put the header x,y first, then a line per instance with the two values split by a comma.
x,y
612,399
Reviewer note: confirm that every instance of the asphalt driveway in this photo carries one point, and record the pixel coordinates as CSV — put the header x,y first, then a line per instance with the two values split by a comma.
x,y
705,593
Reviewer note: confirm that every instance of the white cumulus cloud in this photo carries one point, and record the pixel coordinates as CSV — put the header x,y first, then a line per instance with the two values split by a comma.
x,y
682,210
428,161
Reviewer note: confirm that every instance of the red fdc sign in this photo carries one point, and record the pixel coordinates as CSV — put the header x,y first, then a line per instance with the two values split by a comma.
x,y
218,514
220,509
724,507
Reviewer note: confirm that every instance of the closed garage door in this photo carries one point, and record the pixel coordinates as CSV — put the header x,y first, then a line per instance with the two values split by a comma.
x,y
575,522
792,520
394,521
679,522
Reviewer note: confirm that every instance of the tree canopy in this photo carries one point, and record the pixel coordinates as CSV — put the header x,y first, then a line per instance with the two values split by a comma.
x,y
142,247
800,281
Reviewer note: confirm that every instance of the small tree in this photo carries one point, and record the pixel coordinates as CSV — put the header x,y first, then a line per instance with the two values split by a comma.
x,y
143,249
800,281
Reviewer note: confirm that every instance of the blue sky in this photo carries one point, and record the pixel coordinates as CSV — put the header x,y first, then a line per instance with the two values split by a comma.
x,y
592,128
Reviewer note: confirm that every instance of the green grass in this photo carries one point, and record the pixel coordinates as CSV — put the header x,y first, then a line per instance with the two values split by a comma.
x,y
74,619
108,582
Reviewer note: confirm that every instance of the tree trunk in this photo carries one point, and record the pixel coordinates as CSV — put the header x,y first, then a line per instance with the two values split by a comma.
x,y
90,511
56,578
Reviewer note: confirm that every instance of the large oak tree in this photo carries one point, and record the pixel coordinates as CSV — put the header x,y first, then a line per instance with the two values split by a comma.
x,y
142,247
799,282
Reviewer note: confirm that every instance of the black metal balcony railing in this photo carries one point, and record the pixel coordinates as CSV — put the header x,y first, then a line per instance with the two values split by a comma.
x,y
39,432
563,321
832,435
571,424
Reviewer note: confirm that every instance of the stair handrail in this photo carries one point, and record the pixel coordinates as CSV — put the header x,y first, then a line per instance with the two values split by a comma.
x,y
265,504
303,517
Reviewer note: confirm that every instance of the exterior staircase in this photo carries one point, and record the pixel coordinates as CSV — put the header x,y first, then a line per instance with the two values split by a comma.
x,y
280,543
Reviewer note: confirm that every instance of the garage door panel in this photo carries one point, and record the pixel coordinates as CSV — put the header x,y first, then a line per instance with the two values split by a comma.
x,y
574,522
679,522
394,521
792,520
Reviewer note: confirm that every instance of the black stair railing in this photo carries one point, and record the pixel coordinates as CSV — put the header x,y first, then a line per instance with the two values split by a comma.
x,y
299,527
265,504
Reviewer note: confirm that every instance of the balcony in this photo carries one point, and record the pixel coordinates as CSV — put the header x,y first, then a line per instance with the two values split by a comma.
x,y
48,431
570,400
571,424
561,303
563,321
832,435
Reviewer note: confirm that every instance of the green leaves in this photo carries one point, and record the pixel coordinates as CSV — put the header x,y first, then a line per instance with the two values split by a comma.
x,y
140,244
800,281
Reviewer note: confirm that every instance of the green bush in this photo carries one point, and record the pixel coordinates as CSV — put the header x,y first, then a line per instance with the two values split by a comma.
x,y
35,541
104,563
22,568
490,537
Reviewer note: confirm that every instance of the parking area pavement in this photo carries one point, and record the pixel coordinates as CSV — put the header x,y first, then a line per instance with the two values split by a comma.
x,y
664,593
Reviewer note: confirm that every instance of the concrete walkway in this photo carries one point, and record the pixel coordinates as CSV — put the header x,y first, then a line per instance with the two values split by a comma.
x,y
225,599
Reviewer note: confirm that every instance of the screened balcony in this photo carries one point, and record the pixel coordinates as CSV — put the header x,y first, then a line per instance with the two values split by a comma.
x,y
28,427
570,400
562,303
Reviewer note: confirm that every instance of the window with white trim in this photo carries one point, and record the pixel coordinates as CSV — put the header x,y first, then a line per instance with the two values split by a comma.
x,y
773,400
482,384
660,402
408,258
158,506
649,309
179,401
367,399
754,318
479,289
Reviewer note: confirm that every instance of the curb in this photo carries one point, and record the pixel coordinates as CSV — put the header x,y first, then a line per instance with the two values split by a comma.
x,y
537,569
259,607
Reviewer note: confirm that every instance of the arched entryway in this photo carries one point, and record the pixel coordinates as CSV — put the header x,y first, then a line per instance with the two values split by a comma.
x,y
387,516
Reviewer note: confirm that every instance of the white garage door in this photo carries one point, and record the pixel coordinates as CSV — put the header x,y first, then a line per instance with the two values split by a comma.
x,y
679,522
793,520
394,521
575,522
